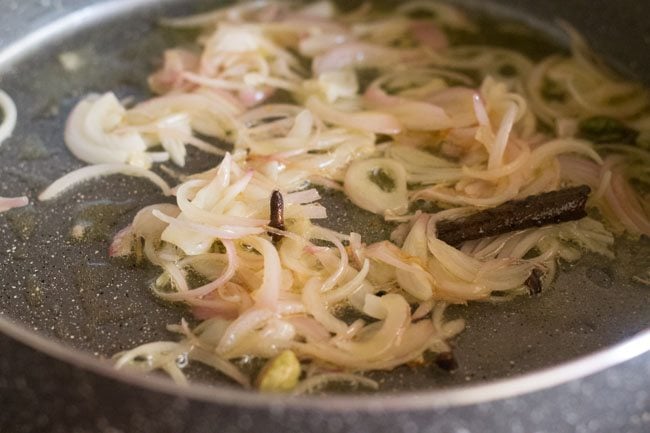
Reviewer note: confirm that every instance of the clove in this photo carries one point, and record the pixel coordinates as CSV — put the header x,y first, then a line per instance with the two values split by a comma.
x,y
277,215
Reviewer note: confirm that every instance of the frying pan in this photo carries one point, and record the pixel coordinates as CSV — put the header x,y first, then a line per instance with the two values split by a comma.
x,y
576,358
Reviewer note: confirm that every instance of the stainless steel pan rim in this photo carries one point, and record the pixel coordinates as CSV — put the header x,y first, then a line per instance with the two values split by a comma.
x,y
77,15
482,393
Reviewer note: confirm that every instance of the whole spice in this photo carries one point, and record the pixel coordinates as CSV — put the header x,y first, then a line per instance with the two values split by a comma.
x,y
277,215
534,211
280,374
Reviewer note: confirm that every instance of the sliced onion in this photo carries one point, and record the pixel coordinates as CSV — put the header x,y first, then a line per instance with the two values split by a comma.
x,y
211,112
206,310
268,293
93,171
454,269
310,328
373,307
370,121
458,103
429,34
302,197
245,324
319,380
7,203
122,243
412,114
150,350
9,116
417,338
228,273
317,44
338,84
415,245
501,140
423,309
560,146
222,365
350,287
328,259
170,77
397,318
222,232
92,133
315,305
362,55
423,167
368,195
147,225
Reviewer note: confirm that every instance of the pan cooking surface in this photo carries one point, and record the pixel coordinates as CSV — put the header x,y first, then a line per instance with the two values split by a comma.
x,y
70,291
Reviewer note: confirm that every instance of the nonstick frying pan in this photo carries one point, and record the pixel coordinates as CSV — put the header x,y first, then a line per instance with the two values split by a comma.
x,y
574,359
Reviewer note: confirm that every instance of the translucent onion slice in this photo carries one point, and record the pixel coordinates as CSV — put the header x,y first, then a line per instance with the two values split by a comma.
x,y
414,115
353,285
170,76
212,112
397,319
220,364
338,84
122,243
423,167
268,293
373,307
362,55
458,103
149,351
145,223
314,45
317,307
92,133
429,35
9,116
362,187
371,121
309,328
320,380
92,171
206,289
7,203
415,245
244,325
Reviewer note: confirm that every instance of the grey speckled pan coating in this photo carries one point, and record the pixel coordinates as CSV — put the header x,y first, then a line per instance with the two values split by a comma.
x,y
71,295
